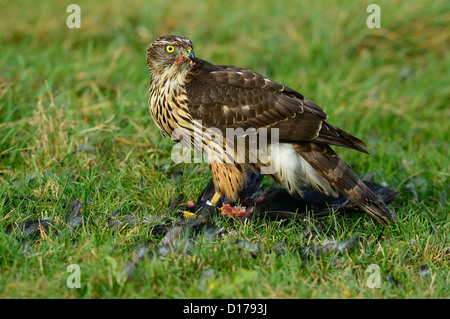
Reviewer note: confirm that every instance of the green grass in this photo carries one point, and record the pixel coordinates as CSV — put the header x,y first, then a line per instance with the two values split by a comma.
x,y
74,125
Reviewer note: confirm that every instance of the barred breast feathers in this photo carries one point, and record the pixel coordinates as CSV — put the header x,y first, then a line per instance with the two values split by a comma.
x,y
167,103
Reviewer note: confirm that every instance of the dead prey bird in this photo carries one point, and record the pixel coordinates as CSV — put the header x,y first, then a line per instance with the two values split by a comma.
x,y
256,201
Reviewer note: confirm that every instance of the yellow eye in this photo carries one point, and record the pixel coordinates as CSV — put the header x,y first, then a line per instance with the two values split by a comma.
x,y
170,48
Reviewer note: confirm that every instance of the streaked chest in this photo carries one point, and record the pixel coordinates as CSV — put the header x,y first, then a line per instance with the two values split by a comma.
x,y
168,106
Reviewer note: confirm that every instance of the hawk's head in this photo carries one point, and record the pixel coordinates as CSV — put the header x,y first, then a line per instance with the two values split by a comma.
x,y
170,54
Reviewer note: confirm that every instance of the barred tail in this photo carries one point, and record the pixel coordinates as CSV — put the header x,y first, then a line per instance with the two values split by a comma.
x,y
327,163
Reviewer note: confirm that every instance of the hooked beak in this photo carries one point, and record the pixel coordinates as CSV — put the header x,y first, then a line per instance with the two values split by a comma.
x,y
190,55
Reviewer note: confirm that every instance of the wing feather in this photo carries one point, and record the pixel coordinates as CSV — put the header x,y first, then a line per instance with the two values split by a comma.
x,y
227,96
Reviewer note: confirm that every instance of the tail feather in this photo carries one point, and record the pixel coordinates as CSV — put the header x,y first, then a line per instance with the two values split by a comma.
x,y
328,164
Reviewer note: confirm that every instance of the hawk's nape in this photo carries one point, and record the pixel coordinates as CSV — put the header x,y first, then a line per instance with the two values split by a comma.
x,y
186,92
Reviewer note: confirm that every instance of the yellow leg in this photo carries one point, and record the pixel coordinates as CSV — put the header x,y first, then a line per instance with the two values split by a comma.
x,y
215,198
187,214
213,201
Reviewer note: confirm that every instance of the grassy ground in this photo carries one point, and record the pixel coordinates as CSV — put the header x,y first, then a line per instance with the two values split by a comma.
x,y
74,125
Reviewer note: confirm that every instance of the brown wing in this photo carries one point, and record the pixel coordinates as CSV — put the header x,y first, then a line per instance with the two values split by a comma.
x,y
226,96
